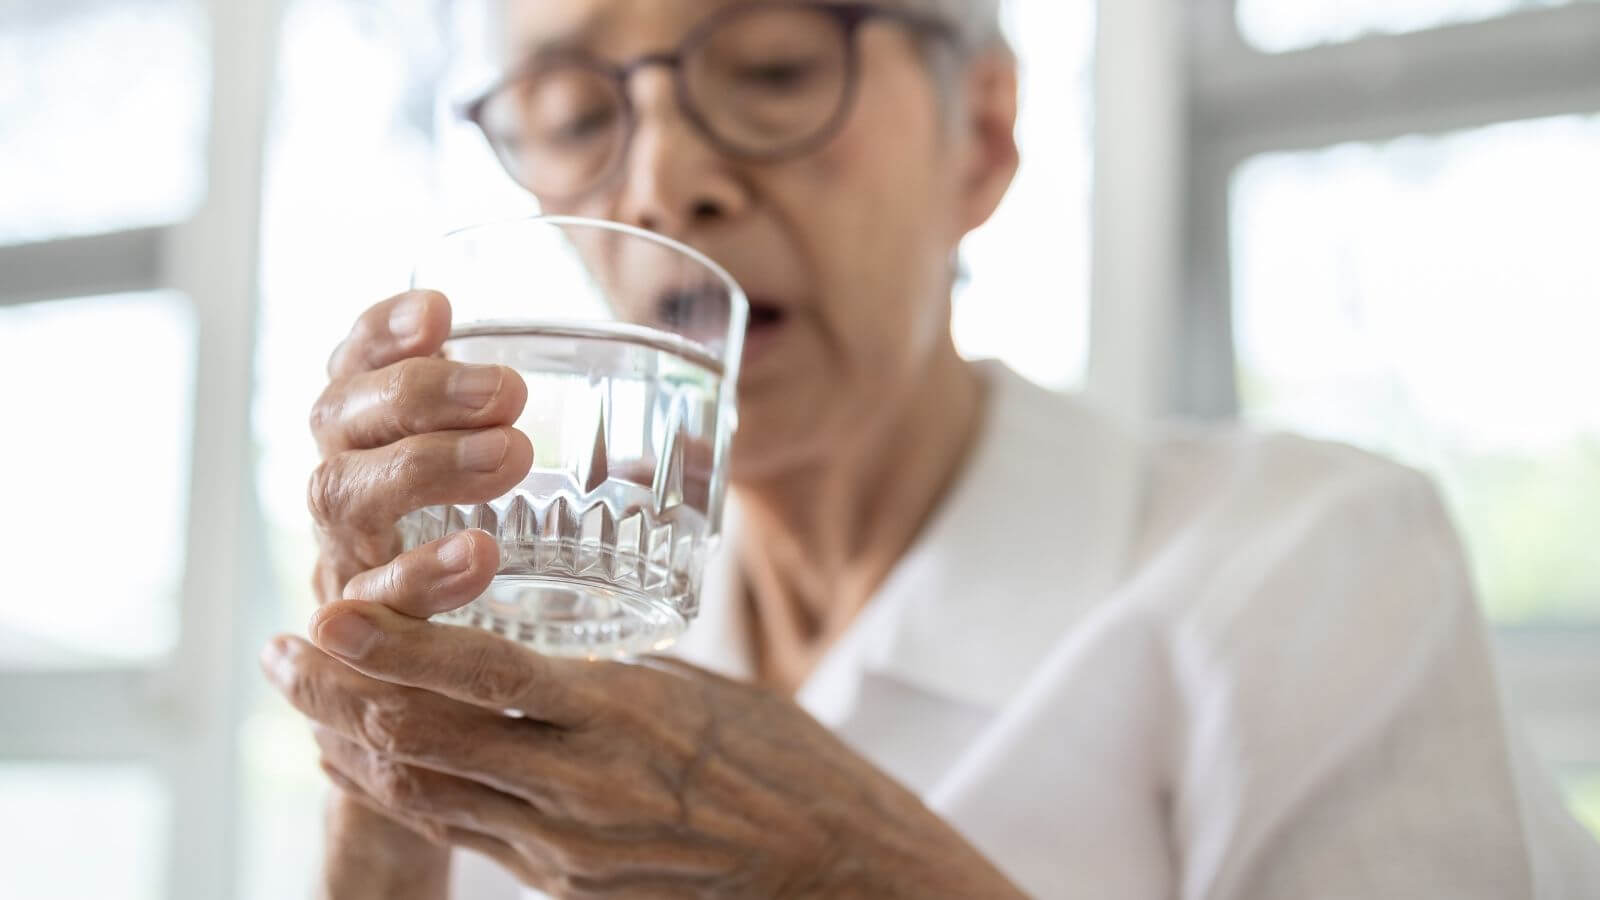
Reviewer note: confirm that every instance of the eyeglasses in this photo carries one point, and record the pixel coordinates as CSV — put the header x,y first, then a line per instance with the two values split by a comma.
x,y
762,81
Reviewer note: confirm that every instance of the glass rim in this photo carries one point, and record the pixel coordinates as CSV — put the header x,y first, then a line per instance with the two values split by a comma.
x,y
728,359
653,338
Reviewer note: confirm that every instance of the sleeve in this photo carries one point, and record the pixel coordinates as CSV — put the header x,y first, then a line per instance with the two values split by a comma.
x,y
1341,731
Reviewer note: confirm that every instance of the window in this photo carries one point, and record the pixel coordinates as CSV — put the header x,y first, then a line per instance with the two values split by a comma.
x,y
104,386
1390,243
128,224
72,831
1435,299
1030,263
102,116
1275,26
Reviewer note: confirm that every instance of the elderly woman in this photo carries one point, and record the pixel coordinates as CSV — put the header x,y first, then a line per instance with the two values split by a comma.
x,y
971,639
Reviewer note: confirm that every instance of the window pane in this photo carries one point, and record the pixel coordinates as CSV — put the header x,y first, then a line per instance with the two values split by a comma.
x,y
1436,299
95,477
284,791
102,115
75,831
1026,300
1276,26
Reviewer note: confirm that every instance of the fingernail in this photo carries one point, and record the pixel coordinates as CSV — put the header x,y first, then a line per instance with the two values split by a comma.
x,y
348,635
405,320
456,554
483,452
474,386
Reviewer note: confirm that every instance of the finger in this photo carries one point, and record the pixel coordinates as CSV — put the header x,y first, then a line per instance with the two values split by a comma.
x,y
433,832
415,726
411,324
360,494
465,664
416,793
414,396
501,852
433,578
412,793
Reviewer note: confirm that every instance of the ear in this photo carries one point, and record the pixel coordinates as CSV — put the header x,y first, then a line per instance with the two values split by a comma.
x,y
990,157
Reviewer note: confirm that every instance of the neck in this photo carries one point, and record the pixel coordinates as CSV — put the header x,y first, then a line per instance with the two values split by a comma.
x,y
821,538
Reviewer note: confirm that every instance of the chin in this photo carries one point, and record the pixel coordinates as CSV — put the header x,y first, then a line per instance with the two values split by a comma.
x,y
784,426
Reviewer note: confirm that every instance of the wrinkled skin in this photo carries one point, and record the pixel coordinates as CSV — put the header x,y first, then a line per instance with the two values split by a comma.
x,y
582,779
655,779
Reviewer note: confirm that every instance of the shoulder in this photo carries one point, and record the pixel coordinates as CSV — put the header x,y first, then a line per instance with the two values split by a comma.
x,y
1246,532
1238,483
1238,459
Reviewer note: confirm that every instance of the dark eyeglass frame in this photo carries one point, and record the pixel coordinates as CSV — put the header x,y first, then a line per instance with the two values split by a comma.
x,y
848,17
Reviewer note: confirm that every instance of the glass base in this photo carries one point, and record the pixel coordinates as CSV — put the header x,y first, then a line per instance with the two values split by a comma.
x,y
572,617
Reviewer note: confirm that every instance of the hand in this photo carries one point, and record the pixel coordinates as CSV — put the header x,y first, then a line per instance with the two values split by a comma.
x,y
400,429
600,779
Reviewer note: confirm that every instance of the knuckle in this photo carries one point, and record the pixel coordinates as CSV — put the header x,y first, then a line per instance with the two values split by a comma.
x,y
402,384
499,681
397,785
389,727
403,395
325,412
304,691
409,465
327,496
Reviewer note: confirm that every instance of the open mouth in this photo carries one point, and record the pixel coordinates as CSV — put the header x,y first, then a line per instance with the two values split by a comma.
x,y
691,307
764,317
700,314
767,321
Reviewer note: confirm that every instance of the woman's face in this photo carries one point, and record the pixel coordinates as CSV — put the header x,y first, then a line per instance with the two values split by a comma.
x,y
845,252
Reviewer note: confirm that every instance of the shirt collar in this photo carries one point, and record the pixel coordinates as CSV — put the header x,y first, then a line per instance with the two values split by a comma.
x,y
1032,535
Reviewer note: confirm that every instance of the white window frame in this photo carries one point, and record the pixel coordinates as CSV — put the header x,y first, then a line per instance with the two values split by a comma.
x,y
1182,101
179,716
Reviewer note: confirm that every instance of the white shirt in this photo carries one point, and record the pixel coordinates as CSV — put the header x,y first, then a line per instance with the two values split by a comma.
x,y
1199,664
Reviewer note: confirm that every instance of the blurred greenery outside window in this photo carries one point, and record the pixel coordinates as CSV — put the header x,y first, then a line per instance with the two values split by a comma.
x,y
1436,299
1584,791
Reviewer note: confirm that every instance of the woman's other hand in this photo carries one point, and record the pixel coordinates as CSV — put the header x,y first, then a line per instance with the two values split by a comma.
x,y
598,779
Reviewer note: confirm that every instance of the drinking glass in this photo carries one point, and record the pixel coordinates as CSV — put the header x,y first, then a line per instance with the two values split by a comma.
x,y
629,343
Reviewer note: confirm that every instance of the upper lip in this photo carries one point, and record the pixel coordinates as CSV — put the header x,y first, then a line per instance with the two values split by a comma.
x,y
760,303
760,282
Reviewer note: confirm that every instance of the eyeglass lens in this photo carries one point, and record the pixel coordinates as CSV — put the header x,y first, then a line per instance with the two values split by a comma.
x,y
760,83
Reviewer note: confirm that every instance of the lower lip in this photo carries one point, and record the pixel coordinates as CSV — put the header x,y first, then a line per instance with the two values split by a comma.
x,y
761,337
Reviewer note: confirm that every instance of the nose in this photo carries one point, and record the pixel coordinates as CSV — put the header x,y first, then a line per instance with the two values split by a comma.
x,y
675,182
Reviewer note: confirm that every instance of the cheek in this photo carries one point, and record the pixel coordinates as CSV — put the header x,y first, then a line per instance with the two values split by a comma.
x,y
871,210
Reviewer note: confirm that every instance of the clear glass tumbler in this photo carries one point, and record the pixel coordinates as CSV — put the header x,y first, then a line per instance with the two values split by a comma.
x,y
629,343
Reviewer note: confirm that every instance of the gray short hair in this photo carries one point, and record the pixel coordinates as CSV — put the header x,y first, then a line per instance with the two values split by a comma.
x,y
978,21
